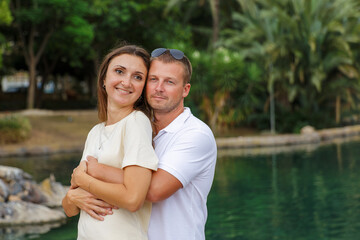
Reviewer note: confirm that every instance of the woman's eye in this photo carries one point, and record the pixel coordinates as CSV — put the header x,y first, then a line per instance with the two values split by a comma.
x,y
138,77
119,71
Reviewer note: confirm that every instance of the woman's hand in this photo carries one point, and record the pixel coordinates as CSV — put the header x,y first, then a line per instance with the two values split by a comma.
x,y
86,201
77,172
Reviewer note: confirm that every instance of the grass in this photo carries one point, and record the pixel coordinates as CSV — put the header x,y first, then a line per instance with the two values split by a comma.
x,y
14,129
68,130
57,131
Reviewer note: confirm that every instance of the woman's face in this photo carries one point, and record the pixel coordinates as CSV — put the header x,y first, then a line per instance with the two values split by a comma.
x,y
124,81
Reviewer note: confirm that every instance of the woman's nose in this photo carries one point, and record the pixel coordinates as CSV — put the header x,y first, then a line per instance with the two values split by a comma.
x,y
126,80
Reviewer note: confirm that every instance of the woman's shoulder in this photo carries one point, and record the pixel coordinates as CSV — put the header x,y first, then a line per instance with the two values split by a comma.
x,y
96,128
138,119
139,115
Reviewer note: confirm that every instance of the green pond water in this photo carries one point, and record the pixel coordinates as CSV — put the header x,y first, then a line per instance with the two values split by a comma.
x,y
298,194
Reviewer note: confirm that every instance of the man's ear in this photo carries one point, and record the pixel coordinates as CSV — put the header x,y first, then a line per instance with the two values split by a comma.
x,y
186,90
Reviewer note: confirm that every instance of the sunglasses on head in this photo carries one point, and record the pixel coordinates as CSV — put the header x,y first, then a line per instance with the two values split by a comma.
x,y
177,54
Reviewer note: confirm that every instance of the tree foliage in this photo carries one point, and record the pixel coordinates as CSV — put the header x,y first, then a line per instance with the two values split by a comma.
x,y
5,19
295,59
36,22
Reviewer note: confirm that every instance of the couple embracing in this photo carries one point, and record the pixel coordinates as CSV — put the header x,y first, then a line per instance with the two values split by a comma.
x,y
148,167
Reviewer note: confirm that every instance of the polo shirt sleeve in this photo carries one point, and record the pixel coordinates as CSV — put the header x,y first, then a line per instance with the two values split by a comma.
x,y
191,155
138,149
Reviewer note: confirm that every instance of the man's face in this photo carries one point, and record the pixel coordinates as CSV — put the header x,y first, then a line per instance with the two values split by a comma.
x,y
165,89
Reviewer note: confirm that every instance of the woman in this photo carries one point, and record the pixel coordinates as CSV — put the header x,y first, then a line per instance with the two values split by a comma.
x,y
122,140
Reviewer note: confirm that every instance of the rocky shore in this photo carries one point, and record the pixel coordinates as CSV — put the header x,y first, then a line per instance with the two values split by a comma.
x,y
23,202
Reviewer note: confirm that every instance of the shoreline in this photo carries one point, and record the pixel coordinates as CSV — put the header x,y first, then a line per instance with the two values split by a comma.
x,y
316,136
249,145
232,146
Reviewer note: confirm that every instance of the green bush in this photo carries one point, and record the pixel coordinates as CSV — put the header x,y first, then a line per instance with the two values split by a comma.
x,y
14,129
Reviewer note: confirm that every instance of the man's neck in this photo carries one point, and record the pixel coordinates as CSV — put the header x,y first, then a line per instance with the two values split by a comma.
x,y
162,120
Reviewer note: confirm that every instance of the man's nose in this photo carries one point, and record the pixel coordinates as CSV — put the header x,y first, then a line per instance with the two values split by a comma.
x,y
159,87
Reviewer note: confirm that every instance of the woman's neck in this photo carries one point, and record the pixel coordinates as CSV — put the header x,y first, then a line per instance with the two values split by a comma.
x,y
114,115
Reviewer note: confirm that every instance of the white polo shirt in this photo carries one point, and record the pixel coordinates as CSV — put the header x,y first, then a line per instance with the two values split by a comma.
x,y
186,149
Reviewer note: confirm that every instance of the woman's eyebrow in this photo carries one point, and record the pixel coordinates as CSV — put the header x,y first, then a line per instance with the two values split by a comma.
x,y
120,66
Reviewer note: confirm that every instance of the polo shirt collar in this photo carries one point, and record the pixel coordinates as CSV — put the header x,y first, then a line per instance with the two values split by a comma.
x,y
178,122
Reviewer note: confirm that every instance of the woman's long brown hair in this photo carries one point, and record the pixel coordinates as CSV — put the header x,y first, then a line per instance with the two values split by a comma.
x,y
141,104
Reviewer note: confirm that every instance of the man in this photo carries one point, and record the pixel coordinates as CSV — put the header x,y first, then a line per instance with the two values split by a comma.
x,y
187,156
186,149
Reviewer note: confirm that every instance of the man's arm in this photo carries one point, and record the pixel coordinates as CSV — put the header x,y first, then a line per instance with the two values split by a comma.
x,y
184,161
162,186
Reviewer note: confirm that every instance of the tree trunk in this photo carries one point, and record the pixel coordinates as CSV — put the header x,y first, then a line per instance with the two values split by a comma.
x,y
32,85
272,111
32,59
214,4
219,102
337,109
46,72
40,92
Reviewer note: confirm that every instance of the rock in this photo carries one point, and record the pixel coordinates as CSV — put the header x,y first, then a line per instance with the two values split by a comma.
x,y
26,231
21,213
4,191
15,187
53,191
307,130
12,173
33,193
23,201
14,198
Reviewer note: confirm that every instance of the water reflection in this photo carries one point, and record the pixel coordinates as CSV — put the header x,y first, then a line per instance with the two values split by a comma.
x,y
300,194
293,195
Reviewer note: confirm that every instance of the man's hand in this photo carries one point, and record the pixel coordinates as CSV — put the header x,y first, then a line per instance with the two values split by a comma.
x,y
86,201
92,165
82,168
104,172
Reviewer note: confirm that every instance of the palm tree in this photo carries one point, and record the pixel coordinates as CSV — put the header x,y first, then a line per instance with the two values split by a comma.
x,y
303,44
261,40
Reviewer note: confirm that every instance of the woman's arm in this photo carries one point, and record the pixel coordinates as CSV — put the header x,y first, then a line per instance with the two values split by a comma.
x,y
104,172
69,207
78,198
129,195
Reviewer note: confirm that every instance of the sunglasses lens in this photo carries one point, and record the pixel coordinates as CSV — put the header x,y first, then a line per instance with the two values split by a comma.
x,y
177,54
157,52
